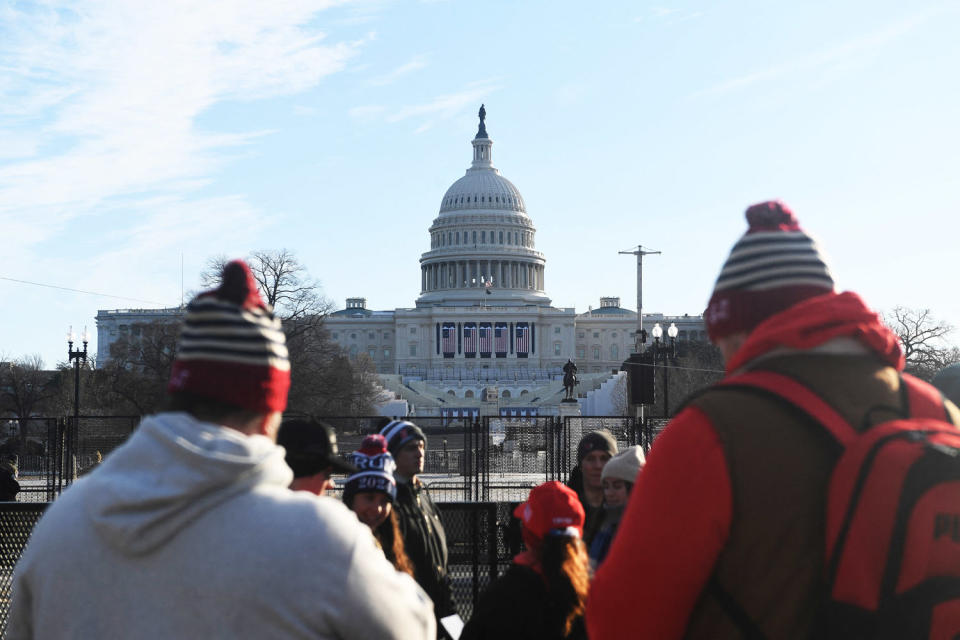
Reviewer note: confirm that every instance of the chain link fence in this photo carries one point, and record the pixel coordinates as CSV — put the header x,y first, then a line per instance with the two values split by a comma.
x,y
16,523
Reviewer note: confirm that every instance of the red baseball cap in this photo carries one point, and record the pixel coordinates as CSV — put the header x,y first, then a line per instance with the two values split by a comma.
x,y
554,508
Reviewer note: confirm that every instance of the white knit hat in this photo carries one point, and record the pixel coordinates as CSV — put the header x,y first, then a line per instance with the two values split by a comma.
x,y
625,465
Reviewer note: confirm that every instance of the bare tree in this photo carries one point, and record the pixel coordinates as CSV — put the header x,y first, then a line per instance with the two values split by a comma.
x,y
924,340
135,378
284,284
698,365
323,379
25,389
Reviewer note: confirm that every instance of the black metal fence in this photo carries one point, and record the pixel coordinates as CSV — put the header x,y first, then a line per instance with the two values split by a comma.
x,y
16,523
489,459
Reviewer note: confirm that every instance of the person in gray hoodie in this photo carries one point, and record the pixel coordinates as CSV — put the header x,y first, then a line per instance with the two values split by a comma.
x,y
189,530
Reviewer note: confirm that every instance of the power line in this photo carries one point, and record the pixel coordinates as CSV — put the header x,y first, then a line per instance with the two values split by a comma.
x,y
89,293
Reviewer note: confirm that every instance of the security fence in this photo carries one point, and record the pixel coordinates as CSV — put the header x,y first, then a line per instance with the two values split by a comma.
x,y
16,523
50,453
487,459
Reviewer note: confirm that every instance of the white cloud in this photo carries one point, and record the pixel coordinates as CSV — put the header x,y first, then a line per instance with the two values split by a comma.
x,y
834,56
414,64
109,94
446,106
366,112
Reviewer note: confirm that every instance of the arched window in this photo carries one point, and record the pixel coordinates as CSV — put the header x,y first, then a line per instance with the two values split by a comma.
x,y
505,393
501,237
483,237
468,393
452,393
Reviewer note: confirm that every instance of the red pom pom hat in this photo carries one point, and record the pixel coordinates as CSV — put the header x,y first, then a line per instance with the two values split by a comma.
x,y
232,348
771,268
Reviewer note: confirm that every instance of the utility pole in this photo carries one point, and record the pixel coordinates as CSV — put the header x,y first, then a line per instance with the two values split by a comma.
x,y
635,359
639,251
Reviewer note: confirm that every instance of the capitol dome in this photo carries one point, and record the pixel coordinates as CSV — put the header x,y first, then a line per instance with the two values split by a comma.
x,y
482,189
482,241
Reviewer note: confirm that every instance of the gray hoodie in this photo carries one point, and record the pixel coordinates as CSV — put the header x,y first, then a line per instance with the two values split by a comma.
x,y
188,531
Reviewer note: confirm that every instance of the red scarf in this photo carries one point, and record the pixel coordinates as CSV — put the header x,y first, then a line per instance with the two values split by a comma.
x,y
817,320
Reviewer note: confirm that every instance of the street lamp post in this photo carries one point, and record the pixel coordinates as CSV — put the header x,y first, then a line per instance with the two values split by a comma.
x,y
663,353
76,356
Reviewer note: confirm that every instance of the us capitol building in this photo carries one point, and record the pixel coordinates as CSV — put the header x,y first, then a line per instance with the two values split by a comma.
x,y
483,337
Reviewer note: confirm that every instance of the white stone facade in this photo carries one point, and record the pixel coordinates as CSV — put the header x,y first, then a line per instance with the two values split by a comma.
x,y
113,324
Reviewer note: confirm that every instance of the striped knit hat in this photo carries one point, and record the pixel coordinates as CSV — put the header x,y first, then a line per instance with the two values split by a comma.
x,y
772,267
232,348
399,432
375,467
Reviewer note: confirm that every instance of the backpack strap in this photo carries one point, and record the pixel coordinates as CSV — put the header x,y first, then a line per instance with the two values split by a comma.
x,y
923,400
749,630
798,395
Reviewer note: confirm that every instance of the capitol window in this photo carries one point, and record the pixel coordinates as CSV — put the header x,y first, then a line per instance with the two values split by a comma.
x,y
581,353
596,353
556,329
501,237
458,237
335,335
474,237
413,349
483,237
556,348
614,352
449,238
386,353
413,331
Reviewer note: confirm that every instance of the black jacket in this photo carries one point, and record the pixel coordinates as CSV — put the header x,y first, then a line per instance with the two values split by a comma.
x,y
518,606
425,543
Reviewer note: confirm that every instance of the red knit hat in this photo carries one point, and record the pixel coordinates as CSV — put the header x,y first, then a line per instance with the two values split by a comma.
x,y
232,348
771,268
552,508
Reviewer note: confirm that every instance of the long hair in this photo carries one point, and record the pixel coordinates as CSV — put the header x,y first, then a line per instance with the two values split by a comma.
x,y
388,535
566,570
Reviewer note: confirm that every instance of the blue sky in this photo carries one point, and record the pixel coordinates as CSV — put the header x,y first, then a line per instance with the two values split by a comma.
x,y
132,133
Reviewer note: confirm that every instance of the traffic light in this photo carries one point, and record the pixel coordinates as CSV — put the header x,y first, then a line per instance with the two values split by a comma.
x,y
640,378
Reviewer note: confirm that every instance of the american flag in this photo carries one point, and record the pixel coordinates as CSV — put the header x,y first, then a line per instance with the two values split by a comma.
x,y
469,339
500,339
523,339
449,339
485,338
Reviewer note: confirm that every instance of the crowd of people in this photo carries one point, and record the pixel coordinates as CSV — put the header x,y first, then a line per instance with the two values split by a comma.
x,y
813,492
